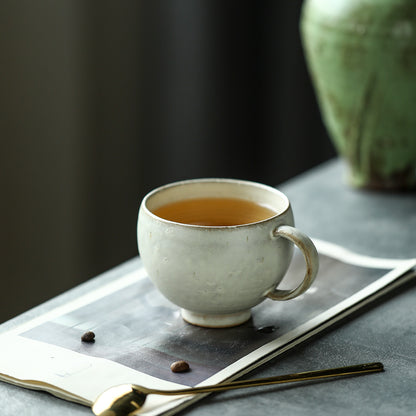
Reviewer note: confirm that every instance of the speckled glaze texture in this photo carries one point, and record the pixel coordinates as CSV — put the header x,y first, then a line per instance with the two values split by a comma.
x,y
217,274
362,59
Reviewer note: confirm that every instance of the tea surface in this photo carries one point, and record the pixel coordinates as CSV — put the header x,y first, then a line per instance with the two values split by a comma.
x,y
214,211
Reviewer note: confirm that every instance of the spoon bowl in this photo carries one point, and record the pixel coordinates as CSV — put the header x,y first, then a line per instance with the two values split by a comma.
x,y
120,400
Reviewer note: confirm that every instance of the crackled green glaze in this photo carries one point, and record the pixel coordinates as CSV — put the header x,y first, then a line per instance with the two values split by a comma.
x,y
362,59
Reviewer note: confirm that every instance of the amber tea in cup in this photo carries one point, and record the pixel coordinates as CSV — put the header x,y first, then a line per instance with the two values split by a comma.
x,y
214,211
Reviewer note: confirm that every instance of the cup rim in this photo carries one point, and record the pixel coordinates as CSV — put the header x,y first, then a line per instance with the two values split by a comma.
x,y
242,182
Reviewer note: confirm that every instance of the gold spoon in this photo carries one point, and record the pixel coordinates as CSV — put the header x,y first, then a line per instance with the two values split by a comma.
x,y
127,399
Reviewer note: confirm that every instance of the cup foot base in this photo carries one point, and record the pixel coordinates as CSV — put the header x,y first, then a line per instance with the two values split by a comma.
x,y
216,321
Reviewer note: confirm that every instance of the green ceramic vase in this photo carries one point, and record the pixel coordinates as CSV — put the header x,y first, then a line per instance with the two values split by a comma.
x,y
361,56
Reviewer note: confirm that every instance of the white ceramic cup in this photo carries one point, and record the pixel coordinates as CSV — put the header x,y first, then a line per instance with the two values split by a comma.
x,y
216,274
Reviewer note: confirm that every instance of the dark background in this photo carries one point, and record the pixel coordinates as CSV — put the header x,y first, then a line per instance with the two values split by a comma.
x,y
102,101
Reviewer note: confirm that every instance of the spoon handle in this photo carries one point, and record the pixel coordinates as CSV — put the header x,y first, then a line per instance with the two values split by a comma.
x,y
288,378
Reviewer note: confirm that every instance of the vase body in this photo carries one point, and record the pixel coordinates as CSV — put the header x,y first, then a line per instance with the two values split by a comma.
x,y
361,55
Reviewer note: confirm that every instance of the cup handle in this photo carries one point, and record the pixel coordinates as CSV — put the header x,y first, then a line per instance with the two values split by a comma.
x,y
306,246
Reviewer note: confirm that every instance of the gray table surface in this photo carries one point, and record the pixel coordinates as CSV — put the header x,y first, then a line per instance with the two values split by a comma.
x,y
373,223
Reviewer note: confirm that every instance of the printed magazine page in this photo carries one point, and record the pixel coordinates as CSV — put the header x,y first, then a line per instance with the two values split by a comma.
x,y
138,333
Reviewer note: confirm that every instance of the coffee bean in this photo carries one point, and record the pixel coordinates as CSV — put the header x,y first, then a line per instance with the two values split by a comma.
x,y
179,366
266,329
89,336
